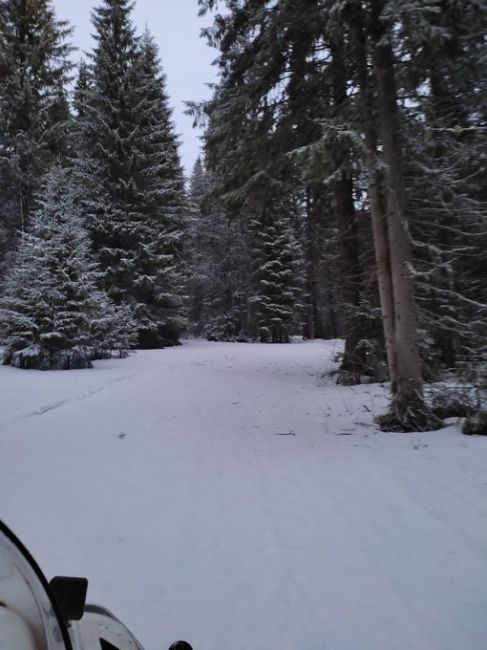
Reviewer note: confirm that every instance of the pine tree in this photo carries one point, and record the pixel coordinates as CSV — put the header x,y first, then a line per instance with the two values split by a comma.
x,y
137,211
33,105
52,313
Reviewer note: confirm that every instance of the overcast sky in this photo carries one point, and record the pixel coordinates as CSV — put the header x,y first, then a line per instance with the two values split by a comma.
x,y
185,57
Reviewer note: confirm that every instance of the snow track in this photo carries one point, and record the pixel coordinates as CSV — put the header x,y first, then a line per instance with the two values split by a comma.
x,y
233,495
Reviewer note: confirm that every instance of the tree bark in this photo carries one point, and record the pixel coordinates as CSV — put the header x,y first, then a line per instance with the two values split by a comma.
x,y
377,209
408,396
313,327
353,364
391,236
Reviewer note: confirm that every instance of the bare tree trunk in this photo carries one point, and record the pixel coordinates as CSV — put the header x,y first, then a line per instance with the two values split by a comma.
x,y
391,236
383,262
408,404
310,281
378,216
353,363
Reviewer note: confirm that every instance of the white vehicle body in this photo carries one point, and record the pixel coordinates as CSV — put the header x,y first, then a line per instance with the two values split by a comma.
x,y
31,618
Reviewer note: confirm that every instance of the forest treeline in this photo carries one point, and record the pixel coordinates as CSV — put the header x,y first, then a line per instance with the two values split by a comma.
x,y
341,192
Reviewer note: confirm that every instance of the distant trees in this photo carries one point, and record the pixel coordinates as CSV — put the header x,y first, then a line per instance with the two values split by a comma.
x,y
277,89
247,273
219,258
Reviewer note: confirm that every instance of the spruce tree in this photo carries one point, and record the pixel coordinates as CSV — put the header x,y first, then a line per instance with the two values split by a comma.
x,y
34,110
278,278
137,209
52,313
160,282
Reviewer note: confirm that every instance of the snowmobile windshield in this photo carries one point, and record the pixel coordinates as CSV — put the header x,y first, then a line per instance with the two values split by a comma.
x,y
29,618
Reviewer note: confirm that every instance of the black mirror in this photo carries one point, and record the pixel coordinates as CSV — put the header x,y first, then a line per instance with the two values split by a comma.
x,y
70,595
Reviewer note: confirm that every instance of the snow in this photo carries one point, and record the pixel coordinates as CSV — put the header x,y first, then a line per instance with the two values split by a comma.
x,y
233,495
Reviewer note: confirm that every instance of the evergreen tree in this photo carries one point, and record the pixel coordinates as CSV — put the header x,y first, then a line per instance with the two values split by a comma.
x,y
78,126
278,279
220,262
53,315
159,288
446,179
198,249
33,105
137,209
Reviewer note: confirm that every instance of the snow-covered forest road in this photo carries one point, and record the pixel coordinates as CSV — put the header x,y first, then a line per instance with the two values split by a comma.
x,y
233,495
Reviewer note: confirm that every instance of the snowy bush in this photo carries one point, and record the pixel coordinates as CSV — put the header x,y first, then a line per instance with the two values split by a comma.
x,y
36,357
476,424
462,399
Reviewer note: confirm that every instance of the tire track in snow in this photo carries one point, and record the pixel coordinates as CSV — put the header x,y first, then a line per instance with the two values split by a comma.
x,y
46,408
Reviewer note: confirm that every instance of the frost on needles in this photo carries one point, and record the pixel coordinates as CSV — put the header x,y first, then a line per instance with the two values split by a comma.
x,y
53,314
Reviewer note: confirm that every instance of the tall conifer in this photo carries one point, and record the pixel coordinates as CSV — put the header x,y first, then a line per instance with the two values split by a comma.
x,y
34,70
137,209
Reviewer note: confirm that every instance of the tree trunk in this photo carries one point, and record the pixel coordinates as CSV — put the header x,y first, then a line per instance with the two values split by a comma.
x,y
378,216
391,236
408,397
313,327
354,364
